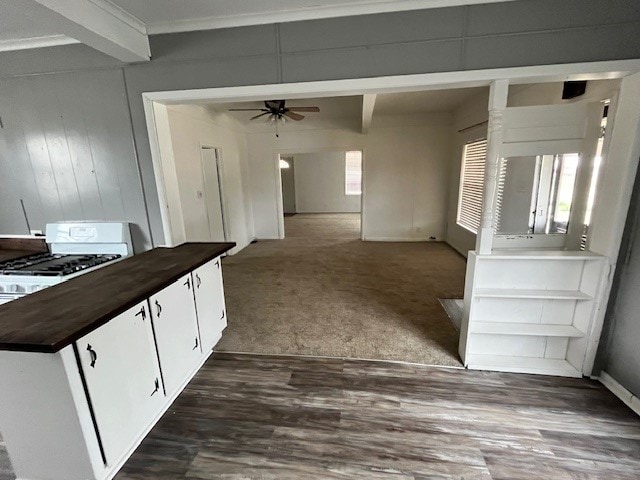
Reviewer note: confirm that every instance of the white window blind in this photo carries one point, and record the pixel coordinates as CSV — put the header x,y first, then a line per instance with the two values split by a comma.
x,y
353,173
472,185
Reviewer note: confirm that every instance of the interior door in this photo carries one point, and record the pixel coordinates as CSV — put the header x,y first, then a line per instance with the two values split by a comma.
x,y
176,329
209,294
120,366
213,193
549,136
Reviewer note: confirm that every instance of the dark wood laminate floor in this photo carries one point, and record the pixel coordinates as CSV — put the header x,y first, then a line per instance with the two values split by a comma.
x,y
265,417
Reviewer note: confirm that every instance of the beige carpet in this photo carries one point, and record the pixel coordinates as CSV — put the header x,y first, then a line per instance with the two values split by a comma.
x,y
321,291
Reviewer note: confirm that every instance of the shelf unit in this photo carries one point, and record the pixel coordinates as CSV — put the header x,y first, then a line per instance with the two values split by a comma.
x,y
530,311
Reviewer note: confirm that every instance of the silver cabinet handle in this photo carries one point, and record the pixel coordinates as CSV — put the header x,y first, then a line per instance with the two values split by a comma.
x,y
196,344
188,283
158,308
198,281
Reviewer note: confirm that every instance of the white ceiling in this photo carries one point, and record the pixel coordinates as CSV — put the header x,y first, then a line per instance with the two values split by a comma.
x,y
411,103
331,108
350,107
37,23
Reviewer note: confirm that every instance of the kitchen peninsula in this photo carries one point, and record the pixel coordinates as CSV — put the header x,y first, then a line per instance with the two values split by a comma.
x,y
88,366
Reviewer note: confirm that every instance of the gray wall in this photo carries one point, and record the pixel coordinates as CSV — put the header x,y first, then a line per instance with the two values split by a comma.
x,y
619,353
67,152
526,32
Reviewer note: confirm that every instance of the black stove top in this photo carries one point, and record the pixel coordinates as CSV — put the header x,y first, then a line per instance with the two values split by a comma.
x,y
52,265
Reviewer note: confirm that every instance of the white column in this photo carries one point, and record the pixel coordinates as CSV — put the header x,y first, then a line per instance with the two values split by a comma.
x,y
497,104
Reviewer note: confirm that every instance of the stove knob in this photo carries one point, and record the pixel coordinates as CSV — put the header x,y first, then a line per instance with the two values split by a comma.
x,y
33,288
13,288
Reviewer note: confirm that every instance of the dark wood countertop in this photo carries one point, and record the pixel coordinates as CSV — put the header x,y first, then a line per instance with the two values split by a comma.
x,y
13,254
51,319
12,248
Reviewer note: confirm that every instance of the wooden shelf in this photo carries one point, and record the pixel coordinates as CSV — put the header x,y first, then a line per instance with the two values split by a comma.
x,y
516,254
526,293
503,363
531,329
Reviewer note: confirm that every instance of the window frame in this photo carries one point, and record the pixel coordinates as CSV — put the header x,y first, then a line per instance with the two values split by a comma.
x,y
347,192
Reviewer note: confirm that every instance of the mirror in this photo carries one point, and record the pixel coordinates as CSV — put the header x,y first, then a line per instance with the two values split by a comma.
x,y
535,194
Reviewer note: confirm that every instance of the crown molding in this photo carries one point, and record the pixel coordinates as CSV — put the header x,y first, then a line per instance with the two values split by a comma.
x,y
36,42
311,13
121,14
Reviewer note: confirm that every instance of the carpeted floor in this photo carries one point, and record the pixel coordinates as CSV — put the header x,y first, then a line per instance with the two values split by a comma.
x,y
321,291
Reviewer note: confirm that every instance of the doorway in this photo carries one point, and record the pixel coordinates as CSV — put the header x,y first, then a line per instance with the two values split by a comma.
x,y
323,191
287,177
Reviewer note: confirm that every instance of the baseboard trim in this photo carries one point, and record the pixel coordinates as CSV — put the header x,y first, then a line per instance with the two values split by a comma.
x,y
629,399
398,239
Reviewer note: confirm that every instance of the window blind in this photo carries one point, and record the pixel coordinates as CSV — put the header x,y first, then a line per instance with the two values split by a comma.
x,y
472,185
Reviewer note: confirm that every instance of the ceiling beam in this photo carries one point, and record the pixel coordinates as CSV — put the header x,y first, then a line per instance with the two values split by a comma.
x,y
103,26
368,103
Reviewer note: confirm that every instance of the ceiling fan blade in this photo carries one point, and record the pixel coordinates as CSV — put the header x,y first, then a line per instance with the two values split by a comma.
x,y
248,110
303,109
294,116
260,115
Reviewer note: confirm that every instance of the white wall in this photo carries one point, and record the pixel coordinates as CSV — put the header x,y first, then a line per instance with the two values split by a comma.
x,y
320,184
471,113
475,111
405,171
191,128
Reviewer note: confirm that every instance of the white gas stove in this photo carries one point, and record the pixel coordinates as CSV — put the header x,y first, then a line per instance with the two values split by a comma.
x,y
75,248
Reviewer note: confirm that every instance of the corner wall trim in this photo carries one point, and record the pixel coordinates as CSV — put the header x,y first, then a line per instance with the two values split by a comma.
x,y
619,391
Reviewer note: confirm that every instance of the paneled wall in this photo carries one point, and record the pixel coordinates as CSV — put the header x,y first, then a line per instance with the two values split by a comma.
x,y
67,153
525,32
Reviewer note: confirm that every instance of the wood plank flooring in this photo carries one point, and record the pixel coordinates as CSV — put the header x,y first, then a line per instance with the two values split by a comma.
x,y
267,417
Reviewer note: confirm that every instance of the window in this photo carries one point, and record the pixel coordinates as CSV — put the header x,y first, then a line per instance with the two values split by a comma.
x,y
472,185
353,173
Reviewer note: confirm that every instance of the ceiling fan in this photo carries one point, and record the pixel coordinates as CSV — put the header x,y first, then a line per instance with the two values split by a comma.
x,y
277,110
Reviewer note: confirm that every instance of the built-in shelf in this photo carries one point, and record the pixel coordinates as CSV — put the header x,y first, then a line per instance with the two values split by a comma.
x,y
532,329
525,305
504,363
525,293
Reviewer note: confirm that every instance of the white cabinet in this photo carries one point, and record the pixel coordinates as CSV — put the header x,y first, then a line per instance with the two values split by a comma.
x,y
209,296
122,377
176,331
531,311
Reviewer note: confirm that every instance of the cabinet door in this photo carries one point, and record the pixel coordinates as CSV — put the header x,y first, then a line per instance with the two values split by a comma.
x,y
176,329
120,366
209,294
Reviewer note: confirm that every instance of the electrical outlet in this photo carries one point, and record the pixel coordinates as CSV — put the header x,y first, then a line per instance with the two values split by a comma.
x,y
36,233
